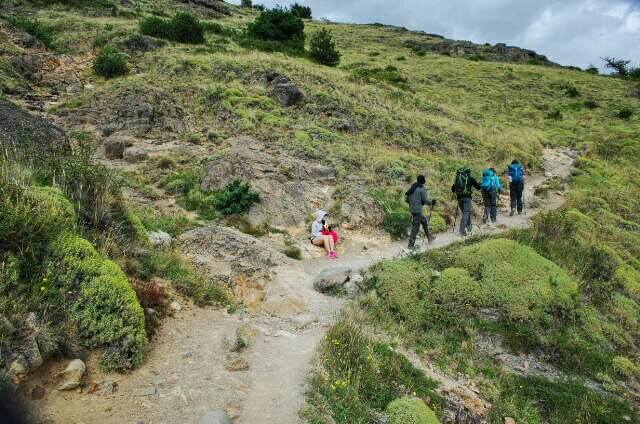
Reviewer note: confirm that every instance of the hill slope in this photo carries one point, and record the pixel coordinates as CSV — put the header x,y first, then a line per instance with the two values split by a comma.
x,y
168,137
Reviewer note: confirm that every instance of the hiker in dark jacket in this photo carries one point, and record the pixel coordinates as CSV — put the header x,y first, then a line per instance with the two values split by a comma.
x,y
462,187
417,197
516,186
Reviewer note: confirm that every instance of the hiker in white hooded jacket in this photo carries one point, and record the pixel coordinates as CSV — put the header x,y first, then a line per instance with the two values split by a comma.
x,y
319,239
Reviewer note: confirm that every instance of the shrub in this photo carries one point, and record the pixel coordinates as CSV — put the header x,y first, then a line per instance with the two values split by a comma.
x,y
591,104
277,24
110,63
156,27
186,28
105,310
236,198
183,27
528,286
389,74
35,28
625,113
619,66
572,91
555,115
437,224
246,3
592,69
323,48
629,278
625,367
302,12
410,411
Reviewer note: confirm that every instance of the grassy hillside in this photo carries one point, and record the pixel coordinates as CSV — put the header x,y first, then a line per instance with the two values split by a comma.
x,y
385,114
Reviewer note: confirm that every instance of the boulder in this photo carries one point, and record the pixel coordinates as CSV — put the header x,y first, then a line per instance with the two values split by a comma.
x,y
223,253
215,417
331,279
23,129
509,420
135,154
28,65
31,352
114,148
28,41
72,375
160,239
37,393
290,189
287,94
140,43
175,306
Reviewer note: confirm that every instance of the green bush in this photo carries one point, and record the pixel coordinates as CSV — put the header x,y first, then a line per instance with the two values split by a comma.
x,y
437,224
303,12
410,411
104,305
236,198
625,113
628,278
525,285
246,4
183,27
278,25
396,218
625,367
35,28
110,63
389,74
186,28
323,49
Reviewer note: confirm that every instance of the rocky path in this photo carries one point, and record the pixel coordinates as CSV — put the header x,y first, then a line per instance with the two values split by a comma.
x,y
191,370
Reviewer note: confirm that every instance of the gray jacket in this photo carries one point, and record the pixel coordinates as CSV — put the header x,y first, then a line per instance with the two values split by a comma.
x,y
418,199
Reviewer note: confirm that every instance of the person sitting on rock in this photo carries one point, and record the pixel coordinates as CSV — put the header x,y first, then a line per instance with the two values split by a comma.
x,y
320,239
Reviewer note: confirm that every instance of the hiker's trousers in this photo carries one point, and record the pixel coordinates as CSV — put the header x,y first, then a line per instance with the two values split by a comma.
x,y
418,219
516,191
490,200
466,207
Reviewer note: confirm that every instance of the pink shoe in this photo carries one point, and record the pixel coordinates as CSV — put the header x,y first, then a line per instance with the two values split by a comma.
x,y
333,255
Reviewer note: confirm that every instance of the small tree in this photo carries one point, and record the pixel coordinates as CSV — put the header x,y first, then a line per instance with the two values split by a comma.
x,y
619,66
110,63
277,24
247,4
323,48
187,28
303,12
592,69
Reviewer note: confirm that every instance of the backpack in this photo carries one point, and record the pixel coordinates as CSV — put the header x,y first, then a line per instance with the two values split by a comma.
x,y
516,172
488,183
461,184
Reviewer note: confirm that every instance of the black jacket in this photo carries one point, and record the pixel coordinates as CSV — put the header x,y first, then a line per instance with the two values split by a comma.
x,y
471,183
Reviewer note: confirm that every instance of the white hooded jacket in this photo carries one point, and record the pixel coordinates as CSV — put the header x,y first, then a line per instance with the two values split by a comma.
x,y
316,227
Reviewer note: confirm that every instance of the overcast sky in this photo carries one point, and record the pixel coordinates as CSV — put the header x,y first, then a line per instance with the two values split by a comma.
x,y
570,32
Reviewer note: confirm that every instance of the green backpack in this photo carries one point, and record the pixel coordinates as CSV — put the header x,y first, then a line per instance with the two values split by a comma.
x,y
461,184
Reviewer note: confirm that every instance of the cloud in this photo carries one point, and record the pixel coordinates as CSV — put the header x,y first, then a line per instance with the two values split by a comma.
x,y
570,32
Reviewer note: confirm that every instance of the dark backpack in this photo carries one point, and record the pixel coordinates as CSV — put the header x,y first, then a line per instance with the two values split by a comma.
x,y
461,185
516,172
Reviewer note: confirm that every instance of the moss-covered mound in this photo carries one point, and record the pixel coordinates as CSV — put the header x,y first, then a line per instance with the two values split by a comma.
x,y
46,267
410,411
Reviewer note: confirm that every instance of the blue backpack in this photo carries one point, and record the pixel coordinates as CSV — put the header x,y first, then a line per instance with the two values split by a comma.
x,y
516,172
490,181
487,180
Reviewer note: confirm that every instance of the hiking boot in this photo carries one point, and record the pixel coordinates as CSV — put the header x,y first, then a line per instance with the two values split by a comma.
x,y
431,239
513,211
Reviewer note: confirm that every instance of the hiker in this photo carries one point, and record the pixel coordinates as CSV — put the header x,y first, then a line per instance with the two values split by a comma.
x,y
491,188
462,187
516,186
323,240
417,197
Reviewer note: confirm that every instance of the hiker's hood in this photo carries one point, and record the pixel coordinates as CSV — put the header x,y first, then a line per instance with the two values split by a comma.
x,y
320,214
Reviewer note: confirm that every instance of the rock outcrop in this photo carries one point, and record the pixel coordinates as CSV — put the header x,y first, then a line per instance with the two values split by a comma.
x,y
332,279
283,90
290,189
23,129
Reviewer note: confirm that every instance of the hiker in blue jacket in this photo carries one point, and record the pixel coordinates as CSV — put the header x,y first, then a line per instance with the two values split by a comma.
x,y
491,188
516,186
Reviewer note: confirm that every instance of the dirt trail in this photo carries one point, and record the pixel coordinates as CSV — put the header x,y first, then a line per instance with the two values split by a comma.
x,y
185,373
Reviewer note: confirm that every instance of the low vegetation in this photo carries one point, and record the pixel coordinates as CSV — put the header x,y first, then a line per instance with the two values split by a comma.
x,y
110,63
183,28
323,49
